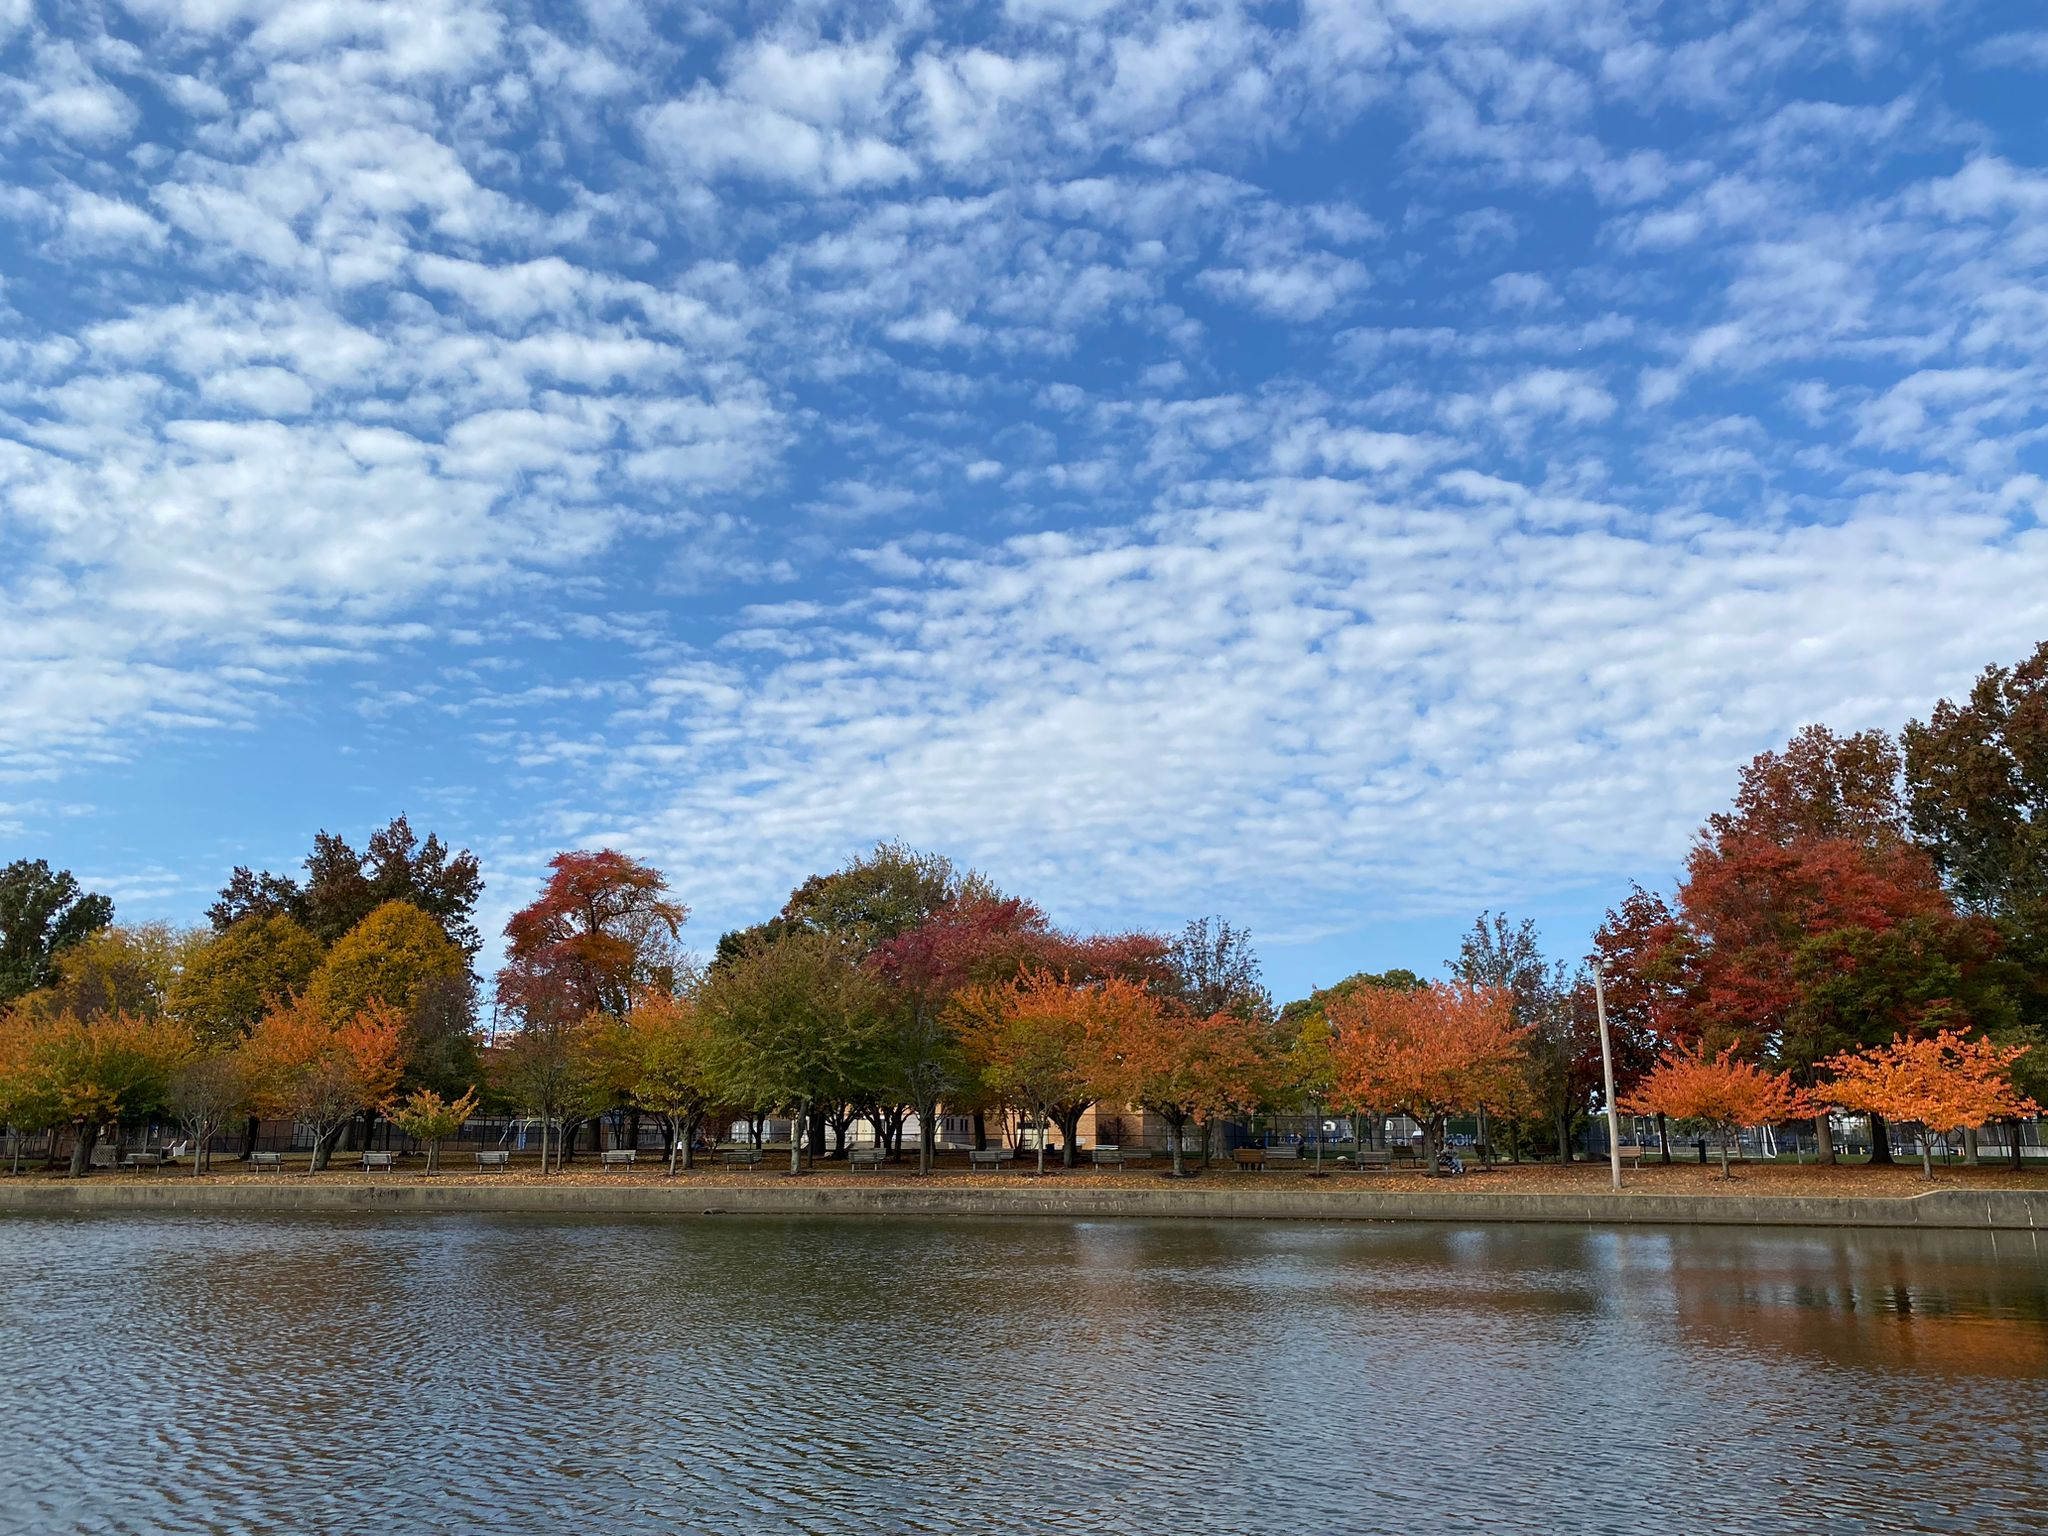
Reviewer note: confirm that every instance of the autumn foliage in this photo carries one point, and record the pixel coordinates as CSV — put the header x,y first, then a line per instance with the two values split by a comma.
x,y
1720,1092
1427,1052
1940,1082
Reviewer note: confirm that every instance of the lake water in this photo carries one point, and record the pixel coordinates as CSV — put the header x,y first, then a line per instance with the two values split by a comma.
x,y
495,1374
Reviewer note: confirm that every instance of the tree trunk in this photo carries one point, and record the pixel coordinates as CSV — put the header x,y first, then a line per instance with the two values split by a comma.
x,y
1564,1138
1664,1141
2012,1129
1173,1132
1823,1138
927,1133
1725,1134
249,1138
83,1139
1070,1132
1041,1140
797,1126
1880,1140
1970,1146
980,1131
1926,1155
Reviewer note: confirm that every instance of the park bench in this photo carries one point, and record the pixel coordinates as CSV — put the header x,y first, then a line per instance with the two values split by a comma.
x,y
1288,1156
1370,1161
498,1159
104,1156
620,1157
1107,1157
866,1157
140,1160
1137,1155
740,1157
378,1162
989,1157
270,1160
1632,1155
1249,1157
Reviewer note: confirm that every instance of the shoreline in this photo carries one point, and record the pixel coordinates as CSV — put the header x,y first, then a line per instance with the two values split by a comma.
x,y
1947,1209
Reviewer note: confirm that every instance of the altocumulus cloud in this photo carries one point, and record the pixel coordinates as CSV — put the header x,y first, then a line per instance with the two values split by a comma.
x,y
1334,464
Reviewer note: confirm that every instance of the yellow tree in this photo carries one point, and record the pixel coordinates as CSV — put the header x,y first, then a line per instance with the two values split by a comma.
x,y
1716,1092
1429,1053
388,958
430,1119
1942,1082
667,1050
233,979
89,1073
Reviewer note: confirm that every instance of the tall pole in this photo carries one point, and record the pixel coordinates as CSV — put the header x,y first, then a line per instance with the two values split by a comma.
x,y
1607,1072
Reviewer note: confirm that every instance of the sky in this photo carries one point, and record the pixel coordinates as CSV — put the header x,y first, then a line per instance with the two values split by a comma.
x,y
1339,466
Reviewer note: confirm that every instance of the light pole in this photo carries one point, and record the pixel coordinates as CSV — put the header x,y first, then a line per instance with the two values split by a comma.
x,y
1607,1072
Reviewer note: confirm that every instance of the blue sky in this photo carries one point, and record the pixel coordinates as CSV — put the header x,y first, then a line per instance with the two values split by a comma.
x,y
1341,466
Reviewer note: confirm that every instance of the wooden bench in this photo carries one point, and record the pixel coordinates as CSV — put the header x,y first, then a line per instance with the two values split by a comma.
x,y
740,1157
989,1157
498,1159
379,1162
140,1160
1249,1157
1370,1161
866,1157
1632,1155
618,1157
1107,1157
1288,1156
1137,1155
271,1160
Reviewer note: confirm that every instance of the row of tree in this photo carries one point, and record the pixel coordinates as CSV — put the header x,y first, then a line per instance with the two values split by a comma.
x,y
1866,927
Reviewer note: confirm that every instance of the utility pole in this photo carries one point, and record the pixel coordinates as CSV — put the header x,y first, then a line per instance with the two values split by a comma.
x,y
1607,1072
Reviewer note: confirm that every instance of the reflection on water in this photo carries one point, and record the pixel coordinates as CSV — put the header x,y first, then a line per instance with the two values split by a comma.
x,y
498,1374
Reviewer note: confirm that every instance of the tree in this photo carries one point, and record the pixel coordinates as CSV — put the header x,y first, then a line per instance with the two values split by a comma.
x,y
975,940
1822,787
430,1119
1509,956
112,1068
1719,1093
1941,1081
880,895
343,887
303,1068
1184,1067
391,956
231,982
42,913
126,968
1033,1040
1977,783
552,1069
669,1046
600,932
794,1023
1430,1053
207,1091
1215,970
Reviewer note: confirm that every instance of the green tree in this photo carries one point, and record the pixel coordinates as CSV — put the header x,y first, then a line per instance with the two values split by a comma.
x,y
42,912
794,1023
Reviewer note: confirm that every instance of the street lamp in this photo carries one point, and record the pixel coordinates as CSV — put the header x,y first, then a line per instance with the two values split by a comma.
x,y
1607,1072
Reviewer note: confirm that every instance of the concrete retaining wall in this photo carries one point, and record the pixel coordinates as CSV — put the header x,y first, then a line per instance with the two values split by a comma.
x,y
768,1195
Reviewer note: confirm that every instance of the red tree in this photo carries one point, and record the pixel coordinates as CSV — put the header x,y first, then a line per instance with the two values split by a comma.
x,y
600,930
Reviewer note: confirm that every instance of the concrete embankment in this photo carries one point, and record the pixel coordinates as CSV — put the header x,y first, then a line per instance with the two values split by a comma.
x,y
2016,1210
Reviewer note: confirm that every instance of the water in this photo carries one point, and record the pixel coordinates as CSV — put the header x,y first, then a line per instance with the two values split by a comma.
x,y
510,1375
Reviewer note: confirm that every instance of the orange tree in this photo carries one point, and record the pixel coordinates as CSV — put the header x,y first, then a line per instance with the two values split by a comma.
x,y
1428,1053
1183,1066
1717,1092
1032,1041
601,931
1940,1081
304,1069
